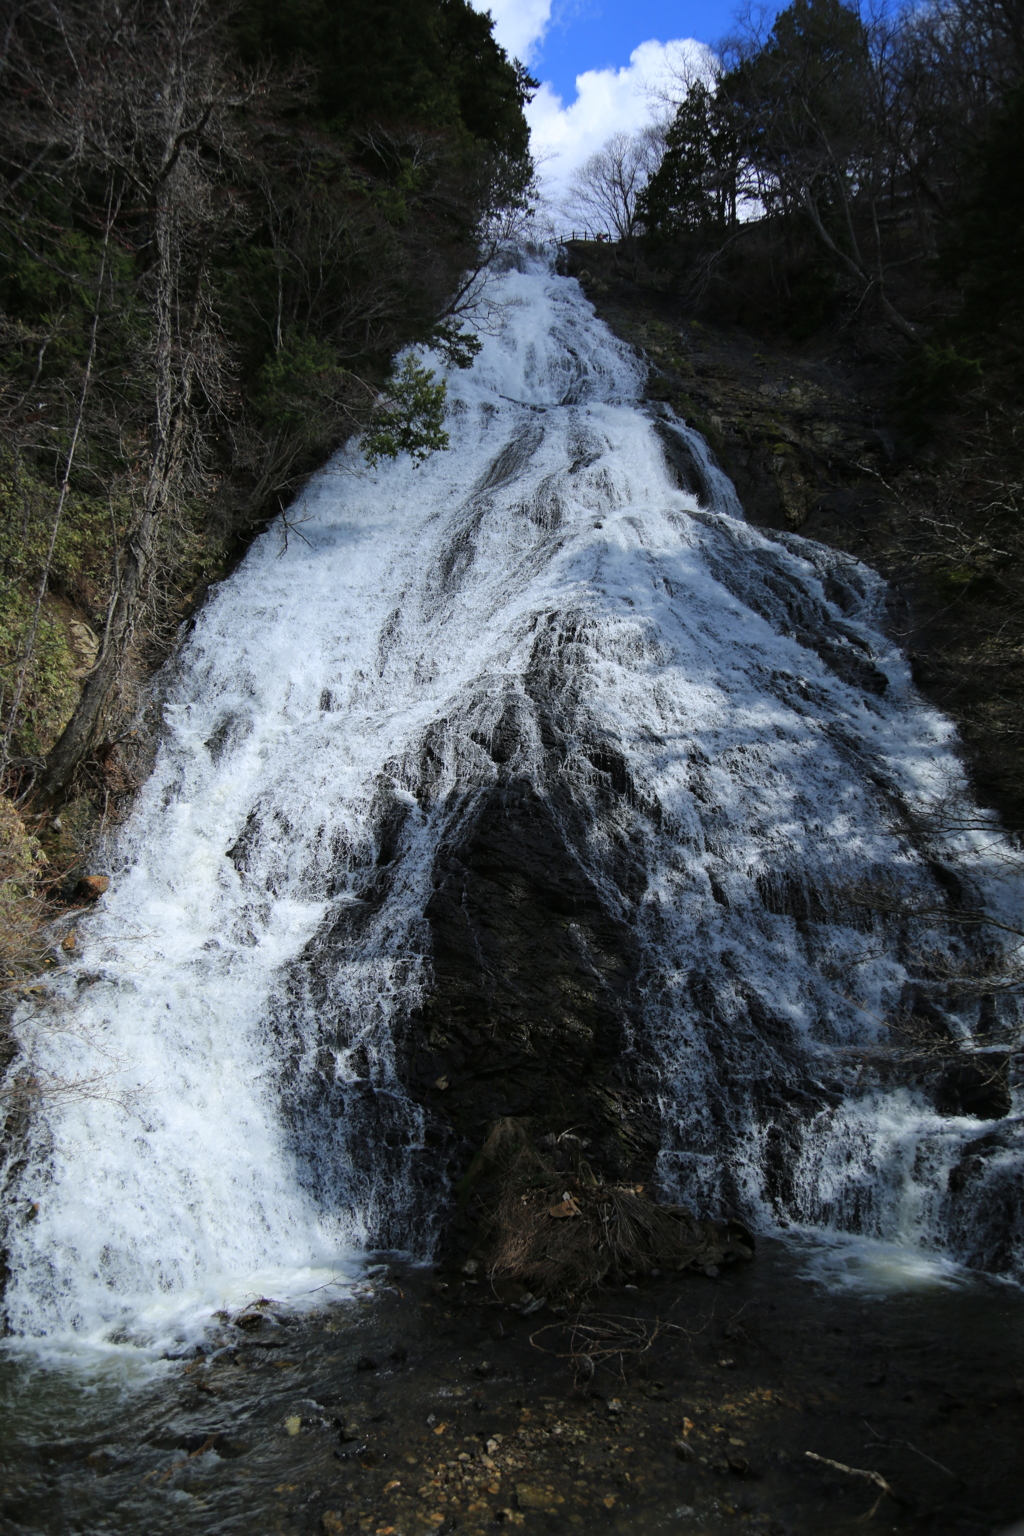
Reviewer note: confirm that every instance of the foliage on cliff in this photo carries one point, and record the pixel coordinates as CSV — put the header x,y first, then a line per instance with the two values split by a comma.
x,y
218,227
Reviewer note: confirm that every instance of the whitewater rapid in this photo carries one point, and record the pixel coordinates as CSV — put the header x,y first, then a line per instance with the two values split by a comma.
x,y
777,762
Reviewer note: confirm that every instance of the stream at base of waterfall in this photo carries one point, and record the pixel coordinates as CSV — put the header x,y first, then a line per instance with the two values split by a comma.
x,y
783,1398
529,781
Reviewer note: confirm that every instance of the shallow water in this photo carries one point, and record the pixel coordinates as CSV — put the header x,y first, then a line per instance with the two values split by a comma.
x,y
913,1374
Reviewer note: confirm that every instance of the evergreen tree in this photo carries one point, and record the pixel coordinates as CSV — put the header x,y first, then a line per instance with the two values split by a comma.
x,y
694,189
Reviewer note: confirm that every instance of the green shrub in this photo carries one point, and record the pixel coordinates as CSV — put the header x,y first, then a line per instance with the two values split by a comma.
x,y
409,417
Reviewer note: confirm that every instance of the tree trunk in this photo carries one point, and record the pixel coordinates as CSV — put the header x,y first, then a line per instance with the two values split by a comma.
x,y
896,320
87,726
172,395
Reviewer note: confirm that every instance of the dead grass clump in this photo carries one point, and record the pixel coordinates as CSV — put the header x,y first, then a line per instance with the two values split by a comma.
x,y
552,1226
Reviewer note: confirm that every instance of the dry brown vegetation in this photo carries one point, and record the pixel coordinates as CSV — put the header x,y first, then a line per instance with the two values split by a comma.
x,y
548,1223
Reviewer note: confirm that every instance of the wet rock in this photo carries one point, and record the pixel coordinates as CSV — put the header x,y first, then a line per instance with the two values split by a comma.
x,y
533,969
686,470
92,887
740,1466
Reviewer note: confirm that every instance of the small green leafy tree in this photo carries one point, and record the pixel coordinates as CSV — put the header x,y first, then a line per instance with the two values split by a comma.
x,y
409,416
296,387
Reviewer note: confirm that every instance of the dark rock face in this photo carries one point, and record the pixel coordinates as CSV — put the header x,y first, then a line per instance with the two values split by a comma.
x,y
529,1012
682,465
979,1087
983,1198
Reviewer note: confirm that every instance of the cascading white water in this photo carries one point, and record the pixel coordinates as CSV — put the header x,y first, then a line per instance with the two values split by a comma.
x,y
775,758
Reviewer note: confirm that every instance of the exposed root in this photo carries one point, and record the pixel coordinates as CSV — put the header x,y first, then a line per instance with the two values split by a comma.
x,y
602,1339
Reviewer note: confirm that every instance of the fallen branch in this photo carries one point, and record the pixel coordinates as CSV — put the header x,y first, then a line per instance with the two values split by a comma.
x,y
871,1477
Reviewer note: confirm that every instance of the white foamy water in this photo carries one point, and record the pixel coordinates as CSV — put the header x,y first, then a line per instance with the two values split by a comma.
x,y
233,1002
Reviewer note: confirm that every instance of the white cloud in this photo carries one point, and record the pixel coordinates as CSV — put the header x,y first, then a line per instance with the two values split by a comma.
x,y
518,24
608,101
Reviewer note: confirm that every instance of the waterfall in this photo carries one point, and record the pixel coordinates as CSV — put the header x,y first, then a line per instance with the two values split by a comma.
x,y
568,606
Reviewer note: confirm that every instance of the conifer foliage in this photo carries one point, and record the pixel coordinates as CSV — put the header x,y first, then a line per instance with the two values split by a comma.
x,y
694,187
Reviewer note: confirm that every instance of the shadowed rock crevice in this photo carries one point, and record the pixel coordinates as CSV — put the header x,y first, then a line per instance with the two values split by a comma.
x,y
531,1006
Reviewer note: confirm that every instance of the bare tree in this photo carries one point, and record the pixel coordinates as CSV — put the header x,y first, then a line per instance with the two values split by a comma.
x,y
605,190
697,64
811,105
134,97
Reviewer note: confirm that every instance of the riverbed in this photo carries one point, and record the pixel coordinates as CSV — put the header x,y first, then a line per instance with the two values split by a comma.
x,y
424,1401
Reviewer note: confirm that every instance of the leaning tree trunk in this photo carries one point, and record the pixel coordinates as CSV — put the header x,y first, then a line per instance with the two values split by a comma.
x,y
88,725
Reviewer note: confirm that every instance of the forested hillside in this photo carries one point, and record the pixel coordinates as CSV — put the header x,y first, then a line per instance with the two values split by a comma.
x,y
846,195
861,150
218,225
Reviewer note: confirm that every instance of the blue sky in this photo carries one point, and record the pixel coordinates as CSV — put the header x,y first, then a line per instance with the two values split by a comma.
x,y
604,66
601,34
